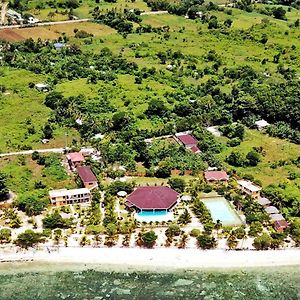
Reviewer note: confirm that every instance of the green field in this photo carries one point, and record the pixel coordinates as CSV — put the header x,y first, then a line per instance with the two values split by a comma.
x,y
238,46
23,172
22,108
83,11
274,150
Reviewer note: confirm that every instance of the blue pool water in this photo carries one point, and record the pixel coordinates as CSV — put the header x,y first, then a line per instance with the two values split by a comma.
x,y
220,210
151,213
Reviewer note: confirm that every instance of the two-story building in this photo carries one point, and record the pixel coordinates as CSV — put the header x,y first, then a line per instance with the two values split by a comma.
x,y
249,188
66,197
75,159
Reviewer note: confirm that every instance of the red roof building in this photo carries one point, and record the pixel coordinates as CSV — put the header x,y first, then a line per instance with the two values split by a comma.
x,y
87,177
280,225
195,149
75,159
216,176
187,140
152,198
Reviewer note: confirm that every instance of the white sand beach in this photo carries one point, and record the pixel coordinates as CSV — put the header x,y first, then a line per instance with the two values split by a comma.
x,y
161,257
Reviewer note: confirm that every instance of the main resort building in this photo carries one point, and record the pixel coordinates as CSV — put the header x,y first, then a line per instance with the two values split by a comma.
x,y
153,203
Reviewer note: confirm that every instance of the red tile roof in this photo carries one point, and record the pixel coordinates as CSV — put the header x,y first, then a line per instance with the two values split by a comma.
x,y
152,197
215,175
281,224
195,149
187,139
86,174
75,156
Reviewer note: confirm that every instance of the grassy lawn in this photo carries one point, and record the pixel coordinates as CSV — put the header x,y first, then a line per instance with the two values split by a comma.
x,y
275,149
19,108
123,88
23,172
83,11
22,108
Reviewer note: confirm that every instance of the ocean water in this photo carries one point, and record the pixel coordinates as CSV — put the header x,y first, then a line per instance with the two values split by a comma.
x,y
35,281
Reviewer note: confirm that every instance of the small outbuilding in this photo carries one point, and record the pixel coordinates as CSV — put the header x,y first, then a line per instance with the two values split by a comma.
x,y
87,177
214,130
59,46
263,201
272,210
261,124
280,225
216,176
43,87
277,217
186,139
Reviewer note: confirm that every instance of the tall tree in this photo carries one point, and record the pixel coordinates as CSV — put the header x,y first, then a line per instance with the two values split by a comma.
x,y
3,187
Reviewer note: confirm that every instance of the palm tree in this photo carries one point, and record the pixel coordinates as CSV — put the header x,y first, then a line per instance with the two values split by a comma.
x,y
218,226
84,241
206,241
183,241
97,239
139,241
232,242
126,240
185,218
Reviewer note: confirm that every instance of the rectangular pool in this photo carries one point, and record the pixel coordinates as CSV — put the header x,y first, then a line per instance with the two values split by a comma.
x,y
153,216
150,213
221,210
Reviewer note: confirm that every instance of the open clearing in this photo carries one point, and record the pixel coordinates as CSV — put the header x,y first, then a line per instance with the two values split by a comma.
x,y
275,149
53,32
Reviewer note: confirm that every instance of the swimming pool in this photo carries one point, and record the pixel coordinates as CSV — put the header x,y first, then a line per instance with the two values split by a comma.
x,y
153,216
150,213
221,210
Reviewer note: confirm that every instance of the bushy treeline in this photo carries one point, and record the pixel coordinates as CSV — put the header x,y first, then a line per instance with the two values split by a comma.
x,y
65,4
69,63
250,98
121,21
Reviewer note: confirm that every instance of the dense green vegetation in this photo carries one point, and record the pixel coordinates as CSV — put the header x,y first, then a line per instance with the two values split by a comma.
x,y
151,76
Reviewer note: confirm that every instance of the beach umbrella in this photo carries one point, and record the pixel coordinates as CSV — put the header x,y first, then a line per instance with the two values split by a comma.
x,y
122,194
186,198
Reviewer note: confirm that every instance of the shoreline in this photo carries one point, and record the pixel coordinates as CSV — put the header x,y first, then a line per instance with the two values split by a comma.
x,y
171,259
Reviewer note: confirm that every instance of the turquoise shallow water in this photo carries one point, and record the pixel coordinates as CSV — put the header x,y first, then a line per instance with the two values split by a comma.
x,y
148,213
49,281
